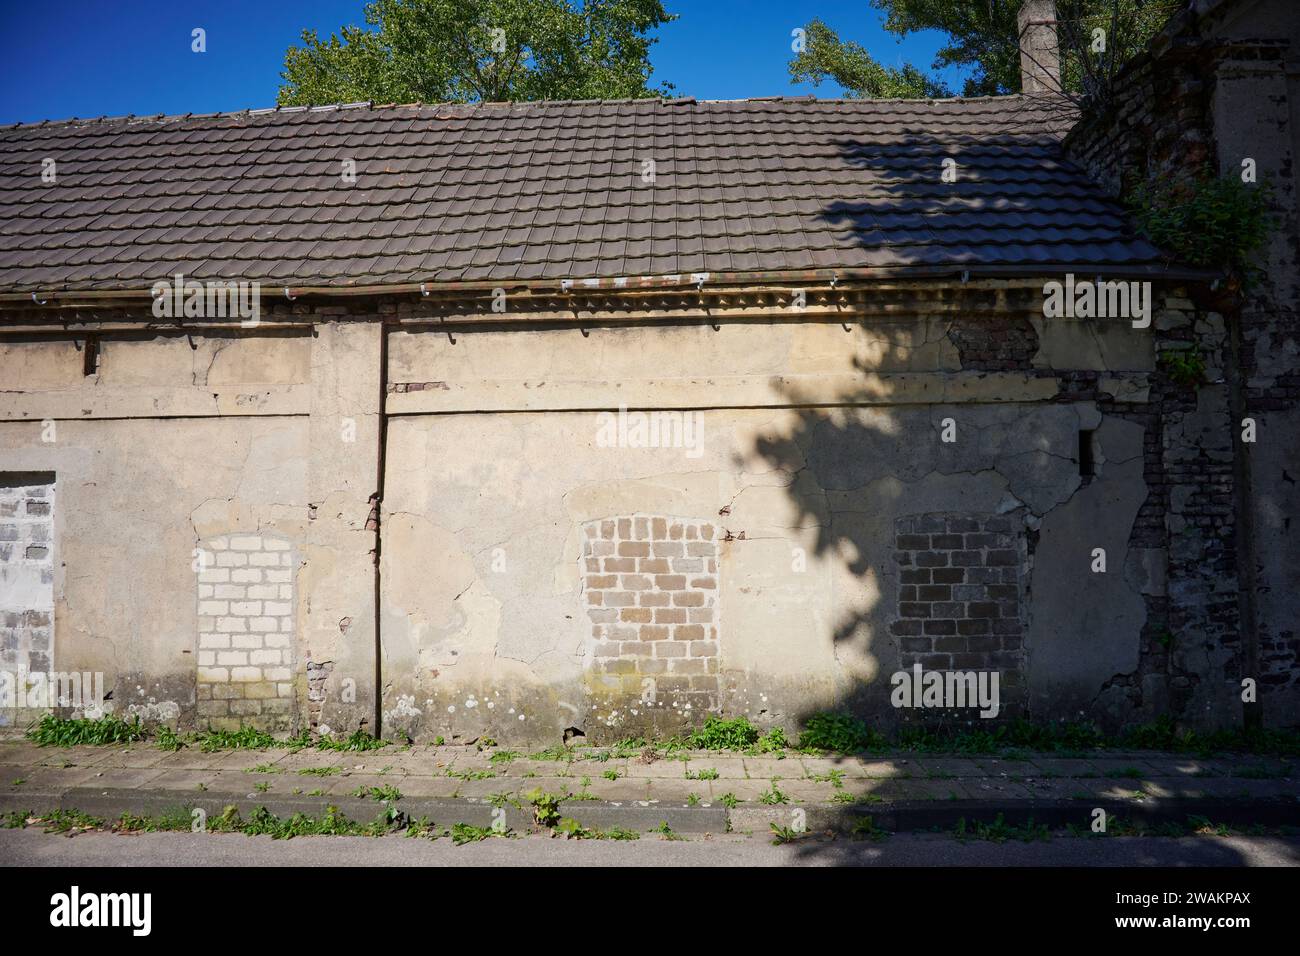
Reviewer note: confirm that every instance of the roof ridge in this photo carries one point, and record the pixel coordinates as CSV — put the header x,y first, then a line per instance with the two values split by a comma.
x,y
675,101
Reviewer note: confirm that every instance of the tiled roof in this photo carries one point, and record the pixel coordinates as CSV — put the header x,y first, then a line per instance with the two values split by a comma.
x,y
540,192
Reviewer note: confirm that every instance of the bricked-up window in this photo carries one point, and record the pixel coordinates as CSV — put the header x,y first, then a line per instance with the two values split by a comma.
x,y
650,585
960,604
27,571
246,631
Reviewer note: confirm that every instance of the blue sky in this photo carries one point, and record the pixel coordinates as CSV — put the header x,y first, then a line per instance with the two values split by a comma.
x,y
112,57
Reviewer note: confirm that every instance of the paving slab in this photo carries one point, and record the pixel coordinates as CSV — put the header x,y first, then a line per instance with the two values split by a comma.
x,y
945,767
416,785
590,762
349,783
468,762
1120,766
85,756
1004,766
1057,766
769,767
745,790
488,788
806,791
664,768
880,769
185,779
901,790
997,788
725,765
124,777
1051,789
140,756
303,759
191,758
49,777
626,788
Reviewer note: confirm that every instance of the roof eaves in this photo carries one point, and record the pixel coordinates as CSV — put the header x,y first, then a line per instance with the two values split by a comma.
x,y
613,285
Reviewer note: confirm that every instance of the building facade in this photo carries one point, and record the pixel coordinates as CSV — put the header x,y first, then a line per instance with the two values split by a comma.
x,y
608,416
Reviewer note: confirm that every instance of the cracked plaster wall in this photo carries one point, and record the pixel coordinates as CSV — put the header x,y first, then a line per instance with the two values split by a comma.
x,y
817,437
135,499
484,625
139,489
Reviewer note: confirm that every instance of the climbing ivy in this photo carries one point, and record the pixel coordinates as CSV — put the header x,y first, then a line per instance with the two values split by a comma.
x,y
1184,366
1205,221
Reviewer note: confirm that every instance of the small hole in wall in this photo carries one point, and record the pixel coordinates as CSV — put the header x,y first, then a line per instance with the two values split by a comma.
x,y
1086,459
90,356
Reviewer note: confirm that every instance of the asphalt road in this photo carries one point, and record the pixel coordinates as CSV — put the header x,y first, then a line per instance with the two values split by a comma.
x,y
31,847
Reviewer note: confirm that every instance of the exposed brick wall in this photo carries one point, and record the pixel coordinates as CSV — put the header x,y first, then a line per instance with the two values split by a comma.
x,y
650,587
1164,124
996,343
246,631
26,571
1188,513
961,594
318,675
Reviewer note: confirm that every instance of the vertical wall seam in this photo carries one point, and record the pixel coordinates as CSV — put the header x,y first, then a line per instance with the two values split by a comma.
x,y
377,511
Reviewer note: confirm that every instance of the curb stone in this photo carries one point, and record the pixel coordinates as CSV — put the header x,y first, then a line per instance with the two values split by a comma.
x,y
644,816
910,816
109,804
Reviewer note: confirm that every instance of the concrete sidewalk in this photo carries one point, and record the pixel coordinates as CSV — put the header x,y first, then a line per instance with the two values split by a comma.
x,y
693,792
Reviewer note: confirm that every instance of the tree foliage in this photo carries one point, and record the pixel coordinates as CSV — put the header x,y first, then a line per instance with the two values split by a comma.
x,y
1207,220
826,56
479,51
983,38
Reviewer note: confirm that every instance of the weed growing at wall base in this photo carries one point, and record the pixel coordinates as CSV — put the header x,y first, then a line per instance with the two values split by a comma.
x,y
70,732
51,730
840,733
735,733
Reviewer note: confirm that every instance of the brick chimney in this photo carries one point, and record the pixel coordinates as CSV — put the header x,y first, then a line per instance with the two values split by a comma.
x,y
1040,52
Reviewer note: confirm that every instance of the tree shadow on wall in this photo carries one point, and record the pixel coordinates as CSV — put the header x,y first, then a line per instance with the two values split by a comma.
x,y
1015,200
818,450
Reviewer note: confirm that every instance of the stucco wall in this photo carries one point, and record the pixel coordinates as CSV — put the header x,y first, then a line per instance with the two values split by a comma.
x,y
846,496
134,500
486,624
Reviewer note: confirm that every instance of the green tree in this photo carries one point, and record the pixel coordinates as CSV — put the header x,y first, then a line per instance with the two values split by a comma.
x,y
826,56
982,37
435,51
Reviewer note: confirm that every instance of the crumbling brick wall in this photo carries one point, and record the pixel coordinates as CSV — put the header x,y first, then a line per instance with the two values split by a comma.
x,y
1211,94
994,343
1193,611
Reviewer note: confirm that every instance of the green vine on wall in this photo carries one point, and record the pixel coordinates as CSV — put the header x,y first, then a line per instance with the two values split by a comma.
x,y
1207,221
1184,366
